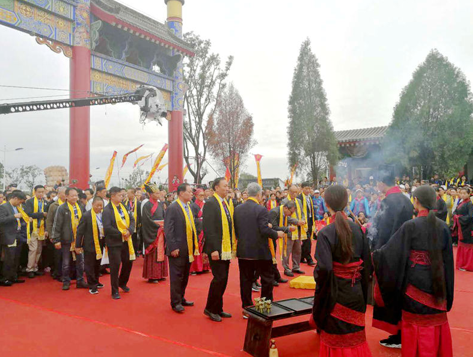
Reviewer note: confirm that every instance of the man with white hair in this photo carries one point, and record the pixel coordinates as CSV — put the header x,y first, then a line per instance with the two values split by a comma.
x,y
255,247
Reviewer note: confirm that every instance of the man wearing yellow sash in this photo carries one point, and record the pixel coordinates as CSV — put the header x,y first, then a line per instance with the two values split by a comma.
x,y
10,236
220,246
35,208
255,247
294,239
181,245
281,220
133,205
89,241
64,234
308,207
119,225
61,198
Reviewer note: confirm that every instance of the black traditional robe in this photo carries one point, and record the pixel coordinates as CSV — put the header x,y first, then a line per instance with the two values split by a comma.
x,y
341,289
149,229
441,209
404,276
396,209
463,228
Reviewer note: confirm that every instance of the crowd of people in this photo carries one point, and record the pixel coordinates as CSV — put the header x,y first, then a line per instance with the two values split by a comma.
x,y
389,241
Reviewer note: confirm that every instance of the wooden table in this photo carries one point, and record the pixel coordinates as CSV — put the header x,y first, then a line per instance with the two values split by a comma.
x,y
260,331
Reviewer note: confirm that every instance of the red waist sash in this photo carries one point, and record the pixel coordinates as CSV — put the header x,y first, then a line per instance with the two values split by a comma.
x,y
348,271
420,257
159,245
424,320
348,315
425,298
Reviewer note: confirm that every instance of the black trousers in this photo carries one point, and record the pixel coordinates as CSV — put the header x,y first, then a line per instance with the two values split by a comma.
x,y
247,271
218,285
306,248
9,259
92,269
119,255
136,243
179,269
57,271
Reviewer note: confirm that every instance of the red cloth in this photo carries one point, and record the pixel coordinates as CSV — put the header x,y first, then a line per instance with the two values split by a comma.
x,y
392,190
426,341
465,256
153,269
200,264
358,351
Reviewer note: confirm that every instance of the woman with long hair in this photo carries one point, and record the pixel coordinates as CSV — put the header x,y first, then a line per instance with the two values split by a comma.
x,y
342,276
416,276
462,229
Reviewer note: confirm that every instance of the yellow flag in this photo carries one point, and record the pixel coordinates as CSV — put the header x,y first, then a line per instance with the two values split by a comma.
x,y
141,158
156,163
108,176
258,168
131,152
184,171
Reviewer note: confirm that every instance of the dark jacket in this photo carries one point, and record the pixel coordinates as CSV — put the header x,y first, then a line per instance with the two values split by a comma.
x,y
52,208
252,231
113,237
175,231
85,233
274,217
441,209
29,208
8,225
213,231
62,227
131,211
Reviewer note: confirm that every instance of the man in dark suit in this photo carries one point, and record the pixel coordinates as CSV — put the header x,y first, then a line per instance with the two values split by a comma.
x,y
133,205
10,230
254,240
308,208
85,241
175,232
213,233
52,208
63,236
288,225
117,242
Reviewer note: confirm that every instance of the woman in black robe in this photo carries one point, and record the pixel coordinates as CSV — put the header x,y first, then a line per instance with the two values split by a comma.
x,y
155,266
342,276
416,277
463,228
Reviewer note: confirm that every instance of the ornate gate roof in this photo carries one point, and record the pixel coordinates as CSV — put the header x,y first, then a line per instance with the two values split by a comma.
x,y
363,136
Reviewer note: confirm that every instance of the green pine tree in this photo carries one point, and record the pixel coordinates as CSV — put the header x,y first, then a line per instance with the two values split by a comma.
x,y
312,143
432,124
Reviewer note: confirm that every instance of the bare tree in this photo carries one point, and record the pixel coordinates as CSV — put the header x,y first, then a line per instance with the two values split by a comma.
x,y
205,78
231,131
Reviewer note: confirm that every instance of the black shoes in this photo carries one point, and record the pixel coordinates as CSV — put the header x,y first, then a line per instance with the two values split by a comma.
x,y
288,273
225,315
18,281
66,285
213,317
275,283
298,271
81,284
187,303
153,281
93,291
125,289
255,288
31,274
312,264
99,286
283,281
116,296
178,308
6,283
393,341
38,273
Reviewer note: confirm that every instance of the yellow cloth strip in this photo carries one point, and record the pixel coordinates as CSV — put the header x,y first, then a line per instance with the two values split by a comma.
x,y
26,218
123,227
306,211
191,233
298,215
283,223
227,250
95,231
40,232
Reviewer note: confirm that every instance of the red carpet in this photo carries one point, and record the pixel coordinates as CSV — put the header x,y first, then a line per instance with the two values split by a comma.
x,y
38,319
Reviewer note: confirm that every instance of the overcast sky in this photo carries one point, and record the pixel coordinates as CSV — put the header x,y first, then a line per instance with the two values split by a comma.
x,y
367,51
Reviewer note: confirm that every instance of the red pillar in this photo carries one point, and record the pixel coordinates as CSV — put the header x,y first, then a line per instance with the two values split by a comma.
x,y
175,151
79,137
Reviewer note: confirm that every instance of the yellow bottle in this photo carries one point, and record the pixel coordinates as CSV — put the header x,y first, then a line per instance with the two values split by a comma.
x,y
273,351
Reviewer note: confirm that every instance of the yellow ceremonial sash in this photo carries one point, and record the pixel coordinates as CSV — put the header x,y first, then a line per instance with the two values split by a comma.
x,y
228,250
26,218
272,204
95,232
270,241
306,215
135,211
60,202
123,227
191,232
35,221
282,223
75,223
298,215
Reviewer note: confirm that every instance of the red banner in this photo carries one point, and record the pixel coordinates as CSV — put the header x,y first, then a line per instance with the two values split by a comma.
x,y
128,153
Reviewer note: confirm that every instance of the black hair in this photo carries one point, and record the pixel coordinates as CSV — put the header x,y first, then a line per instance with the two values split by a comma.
x,y
290,204
428,199
386,175
97,198
17,194
336,198
90,191
37,187
182,188
100,189
69,189
217,182
82,195
114,190
305,184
